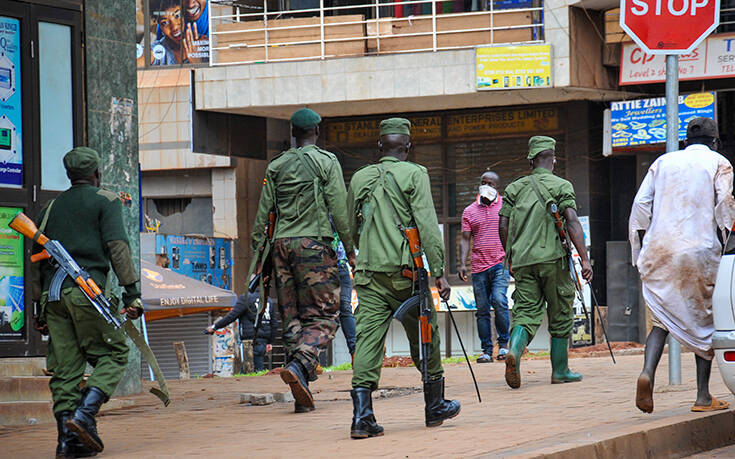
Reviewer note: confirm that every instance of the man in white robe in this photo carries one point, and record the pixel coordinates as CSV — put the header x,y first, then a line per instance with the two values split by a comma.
x,y
683,200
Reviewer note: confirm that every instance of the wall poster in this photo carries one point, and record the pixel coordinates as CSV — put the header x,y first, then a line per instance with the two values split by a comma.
x,y
12,298
206,259
11,109
179,32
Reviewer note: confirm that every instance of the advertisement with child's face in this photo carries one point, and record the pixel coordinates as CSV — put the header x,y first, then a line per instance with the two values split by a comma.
x,y
179,32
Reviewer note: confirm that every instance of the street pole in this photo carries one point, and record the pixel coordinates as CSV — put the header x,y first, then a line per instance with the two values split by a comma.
x,y
672,144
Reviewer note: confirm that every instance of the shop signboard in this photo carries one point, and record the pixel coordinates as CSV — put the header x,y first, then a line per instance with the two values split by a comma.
x,y
463,125
362,131
513,67
643,121
12,309
11,116
713,58
206,259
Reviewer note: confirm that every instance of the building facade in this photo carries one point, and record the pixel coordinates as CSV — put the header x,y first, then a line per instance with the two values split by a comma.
x,y
64,82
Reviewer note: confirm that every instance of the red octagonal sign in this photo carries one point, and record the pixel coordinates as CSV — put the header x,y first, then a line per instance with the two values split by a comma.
x,y
669,26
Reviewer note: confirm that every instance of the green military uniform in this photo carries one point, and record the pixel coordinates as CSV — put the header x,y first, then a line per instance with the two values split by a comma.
x,y
536,254
306,189
384,253
383,199
88,222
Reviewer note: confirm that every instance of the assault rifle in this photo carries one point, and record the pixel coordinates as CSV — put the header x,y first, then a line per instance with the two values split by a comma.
x,y
68,267
567,244
425,303
264,270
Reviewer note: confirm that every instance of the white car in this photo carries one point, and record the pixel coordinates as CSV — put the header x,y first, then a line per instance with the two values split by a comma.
x,y
723,306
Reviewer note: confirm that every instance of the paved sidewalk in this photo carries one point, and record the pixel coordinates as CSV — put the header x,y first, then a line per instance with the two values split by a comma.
x,y
206,419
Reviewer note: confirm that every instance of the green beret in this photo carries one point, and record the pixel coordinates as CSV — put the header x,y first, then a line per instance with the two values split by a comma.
x,y
395,126
539,143
81,162
305,118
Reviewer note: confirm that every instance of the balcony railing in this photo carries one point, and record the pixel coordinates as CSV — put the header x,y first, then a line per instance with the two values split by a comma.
x,y
249,34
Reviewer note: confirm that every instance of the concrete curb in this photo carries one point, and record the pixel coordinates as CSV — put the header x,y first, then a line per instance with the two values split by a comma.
x,y
679,436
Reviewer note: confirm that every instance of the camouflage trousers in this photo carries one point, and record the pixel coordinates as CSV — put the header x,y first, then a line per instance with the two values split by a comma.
x,y
307,283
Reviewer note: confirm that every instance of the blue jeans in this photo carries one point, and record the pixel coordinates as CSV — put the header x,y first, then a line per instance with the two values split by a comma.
x,y
491,289
258,354
346,318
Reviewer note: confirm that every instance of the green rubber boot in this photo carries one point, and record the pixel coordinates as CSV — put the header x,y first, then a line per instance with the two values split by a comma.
x,y
560,362
519,338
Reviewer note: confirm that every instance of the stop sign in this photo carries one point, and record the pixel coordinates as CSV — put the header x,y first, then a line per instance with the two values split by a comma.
x,y
669,26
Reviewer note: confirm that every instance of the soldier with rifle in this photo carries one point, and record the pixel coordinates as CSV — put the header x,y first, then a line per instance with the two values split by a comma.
x,y
538,260
303,188
88,222
389,203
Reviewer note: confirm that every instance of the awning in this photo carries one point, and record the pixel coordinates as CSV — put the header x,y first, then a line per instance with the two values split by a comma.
x,y
170,294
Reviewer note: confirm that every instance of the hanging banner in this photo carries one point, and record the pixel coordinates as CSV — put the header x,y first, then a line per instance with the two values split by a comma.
x,y
11,116
206,259
12,299
512,67
643,121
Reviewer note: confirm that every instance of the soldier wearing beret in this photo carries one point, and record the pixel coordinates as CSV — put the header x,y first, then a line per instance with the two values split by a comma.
x,y
305,187
538,261
88,222
380,196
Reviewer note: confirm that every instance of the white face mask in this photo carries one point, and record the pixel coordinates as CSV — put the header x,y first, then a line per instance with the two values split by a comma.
x,y
488,192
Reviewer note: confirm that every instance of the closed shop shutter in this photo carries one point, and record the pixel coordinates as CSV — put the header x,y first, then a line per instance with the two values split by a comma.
x,y
163,333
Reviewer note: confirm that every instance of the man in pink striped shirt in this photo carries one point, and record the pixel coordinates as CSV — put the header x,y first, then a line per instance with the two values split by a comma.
x,y
489,277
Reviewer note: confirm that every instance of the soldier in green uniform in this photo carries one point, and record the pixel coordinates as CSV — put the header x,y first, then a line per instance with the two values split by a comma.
x,y
305,187
538,260
88,222
380,197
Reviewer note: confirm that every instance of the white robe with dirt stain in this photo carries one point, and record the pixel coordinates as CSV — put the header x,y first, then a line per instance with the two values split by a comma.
x,y
685,197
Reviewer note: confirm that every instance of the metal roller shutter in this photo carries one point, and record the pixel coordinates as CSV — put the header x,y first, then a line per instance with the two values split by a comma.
x,y
162,334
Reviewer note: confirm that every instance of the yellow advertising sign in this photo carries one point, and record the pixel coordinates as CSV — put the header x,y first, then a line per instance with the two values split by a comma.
x,y
502,122
368,131
513,67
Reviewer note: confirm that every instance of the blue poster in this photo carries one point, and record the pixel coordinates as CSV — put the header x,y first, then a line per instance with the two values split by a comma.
x,y
11,110
643,121
206,259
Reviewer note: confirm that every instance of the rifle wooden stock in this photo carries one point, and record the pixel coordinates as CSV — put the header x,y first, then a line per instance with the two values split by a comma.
x,y
25,226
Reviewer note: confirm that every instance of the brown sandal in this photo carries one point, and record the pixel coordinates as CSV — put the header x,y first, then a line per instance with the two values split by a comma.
x,y
716,405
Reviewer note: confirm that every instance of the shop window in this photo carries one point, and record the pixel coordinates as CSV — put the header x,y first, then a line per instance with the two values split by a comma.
x,y
56,101
430,156
168,207
467,161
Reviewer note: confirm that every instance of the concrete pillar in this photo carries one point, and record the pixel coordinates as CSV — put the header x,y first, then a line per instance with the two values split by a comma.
x,y
112,121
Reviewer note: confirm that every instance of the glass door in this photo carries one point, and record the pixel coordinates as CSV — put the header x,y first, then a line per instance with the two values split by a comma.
x,y
40,119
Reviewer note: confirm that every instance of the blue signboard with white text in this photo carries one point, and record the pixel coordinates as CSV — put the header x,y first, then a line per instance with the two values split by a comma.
x,y
208,259
11,115
643,121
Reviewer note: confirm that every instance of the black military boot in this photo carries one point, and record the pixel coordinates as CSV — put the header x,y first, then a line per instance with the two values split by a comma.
x,y
295,375
83,422
68,444
437,408
363,419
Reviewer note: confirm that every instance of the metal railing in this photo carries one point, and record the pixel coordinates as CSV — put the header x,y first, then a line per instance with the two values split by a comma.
x,y
242,34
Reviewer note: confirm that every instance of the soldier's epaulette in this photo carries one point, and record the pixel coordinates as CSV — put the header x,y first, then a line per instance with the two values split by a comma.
x,y
108,194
